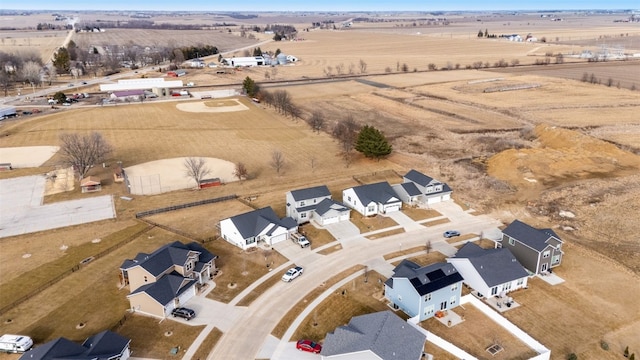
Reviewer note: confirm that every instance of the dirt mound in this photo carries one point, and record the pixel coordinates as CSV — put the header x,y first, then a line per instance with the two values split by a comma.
x,y
563,155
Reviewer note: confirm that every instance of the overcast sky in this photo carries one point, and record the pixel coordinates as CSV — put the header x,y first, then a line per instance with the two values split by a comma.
x,y
326,5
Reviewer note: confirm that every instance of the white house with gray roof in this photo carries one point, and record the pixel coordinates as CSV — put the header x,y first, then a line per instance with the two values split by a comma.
x,y
330,211
262,225
377,336
490,272
301,203
432,191
105,345
372,199
167,278
420,291
538,250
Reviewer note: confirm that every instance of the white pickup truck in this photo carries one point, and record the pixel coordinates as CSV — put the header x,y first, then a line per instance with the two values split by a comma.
x,y
15,343
300,240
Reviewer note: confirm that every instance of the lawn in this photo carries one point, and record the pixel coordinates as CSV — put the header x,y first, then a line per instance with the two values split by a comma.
x,y
371,223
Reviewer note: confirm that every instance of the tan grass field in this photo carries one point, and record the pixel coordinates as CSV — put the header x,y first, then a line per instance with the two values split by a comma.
x,y
43,43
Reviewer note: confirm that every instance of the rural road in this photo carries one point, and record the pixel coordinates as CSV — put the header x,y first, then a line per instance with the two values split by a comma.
x,y
247,332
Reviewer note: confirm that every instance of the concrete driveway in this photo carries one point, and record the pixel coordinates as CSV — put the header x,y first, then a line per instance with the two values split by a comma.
x,y
343,230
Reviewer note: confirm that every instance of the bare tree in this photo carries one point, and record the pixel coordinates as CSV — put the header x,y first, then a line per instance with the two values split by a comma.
x,y
196,168
352,68
340,68
277,161
346,132
31,73
363,66
328,71
240,171
316,121
83,151
428,247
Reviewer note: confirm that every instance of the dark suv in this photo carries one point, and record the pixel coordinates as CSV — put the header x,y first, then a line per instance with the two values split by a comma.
x,y
183,313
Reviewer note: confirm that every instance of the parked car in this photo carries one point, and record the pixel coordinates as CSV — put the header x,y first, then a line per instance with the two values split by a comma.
x,y
66,104
300,240
309,346
183,313
26,112
292,273
36,111
451,233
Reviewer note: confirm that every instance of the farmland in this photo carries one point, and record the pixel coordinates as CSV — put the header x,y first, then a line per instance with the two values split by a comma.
x,y
526,154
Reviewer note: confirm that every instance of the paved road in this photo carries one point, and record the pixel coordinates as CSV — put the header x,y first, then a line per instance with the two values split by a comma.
x,y
247,330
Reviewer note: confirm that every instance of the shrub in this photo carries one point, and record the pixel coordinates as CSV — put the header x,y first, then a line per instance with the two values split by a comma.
x,y
604,345
572,356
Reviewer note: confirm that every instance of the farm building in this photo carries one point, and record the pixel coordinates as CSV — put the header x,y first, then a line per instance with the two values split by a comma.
x,y
196,63
246,61
177,73
131,95
207,183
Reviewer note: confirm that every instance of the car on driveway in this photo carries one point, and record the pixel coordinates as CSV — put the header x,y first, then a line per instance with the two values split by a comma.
x,y
451,233
292,273
309,346
184,313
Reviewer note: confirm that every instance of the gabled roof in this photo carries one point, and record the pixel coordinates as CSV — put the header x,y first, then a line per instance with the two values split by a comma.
x,y
418,177
165,257
105,344
310,193
253,223
327,205
530,236
378,192
100,346
495,266
426,279
410,188
167,288
90,180
383,333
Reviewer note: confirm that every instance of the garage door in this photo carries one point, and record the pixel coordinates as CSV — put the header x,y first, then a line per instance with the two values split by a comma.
x,y
278,238
330,220
433,200
185,296
170,306
393,208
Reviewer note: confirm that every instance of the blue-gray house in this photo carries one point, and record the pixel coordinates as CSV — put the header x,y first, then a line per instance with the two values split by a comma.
x,y
421,291
538,250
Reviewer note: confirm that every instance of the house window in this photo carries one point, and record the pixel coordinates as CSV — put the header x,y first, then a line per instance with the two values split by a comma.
x,y
546,254
494,290
512,242
349,198
454,287
314,201
301,203
429,310
251,240
189,266
371,208
429,189
427,297
506,287
438,187
303,215
453,300
145,279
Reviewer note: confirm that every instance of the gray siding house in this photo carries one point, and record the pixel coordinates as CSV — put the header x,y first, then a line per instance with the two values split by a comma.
x,y
302,202
538,250
330,212
432,190
421,291
382,335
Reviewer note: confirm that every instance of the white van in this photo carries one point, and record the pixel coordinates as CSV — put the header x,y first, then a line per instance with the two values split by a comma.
x,y
15,343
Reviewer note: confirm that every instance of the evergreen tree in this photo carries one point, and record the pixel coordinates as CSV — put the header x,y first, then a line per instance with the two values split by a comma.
x,y
62,60
250,87
486,32
372,143
480,33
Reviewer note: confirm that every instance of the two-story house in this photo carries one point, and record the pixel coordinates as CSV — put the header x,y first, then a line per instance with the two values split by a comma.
x,y
248,229
167,278
105,345
372,199
538,250
432,190
421,291
490,272
302,202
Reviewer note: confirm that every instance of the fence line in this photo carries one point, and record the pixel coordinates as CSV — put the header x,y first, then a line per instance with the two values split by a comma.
x,y
143,214
71,271
173,230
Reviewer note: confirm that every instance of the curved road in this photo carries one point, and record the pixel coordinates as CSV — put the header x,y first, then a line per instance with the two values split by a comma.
x,y
247,329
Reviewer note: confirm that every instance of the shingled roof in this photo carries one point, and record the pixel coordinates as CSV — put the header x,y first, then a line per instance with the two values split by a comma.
x,y
254,222
327,204
167,288
103,345
310,193
380,192
426,279
495,266
530,236
175,253
418,177
383,333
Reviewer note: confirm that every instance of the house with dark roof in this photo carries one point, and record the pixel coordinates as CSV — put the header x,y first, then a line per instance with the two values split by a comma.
x,y
432,191
262,225
167,278
372,199
330,211
538,250
106,345
490,272
408,193
302,202
420,291
378,336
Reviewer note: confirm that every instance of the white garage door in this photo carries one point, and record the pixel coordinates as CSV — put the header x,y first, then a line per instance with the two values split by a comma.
x,y
330,220
185,296
392,208
433,200
278,238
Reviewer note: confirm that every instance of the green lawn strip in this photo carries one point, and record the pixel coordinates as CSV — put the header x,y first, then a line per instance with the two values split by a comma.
x,y
40,277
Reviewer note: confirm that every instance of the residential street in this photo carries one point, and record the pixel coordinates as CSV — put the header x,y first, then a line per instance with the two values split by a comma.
x,y
247,330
